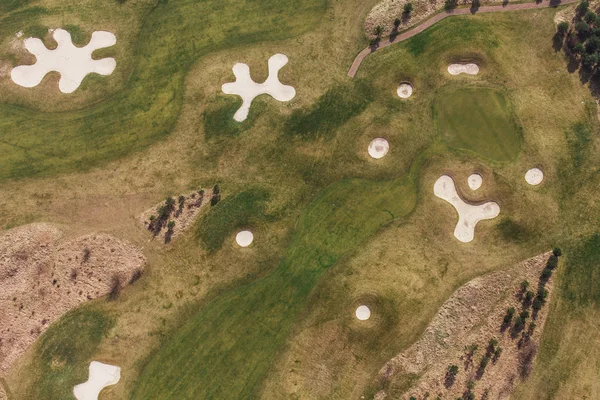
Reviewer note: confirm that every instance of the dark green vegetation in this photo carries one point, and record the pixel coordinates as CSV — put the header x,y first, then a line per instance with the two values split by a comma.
x,y
235,212
331,111
10,5
581,39
236,336
218,119
174,35
64,353
479,120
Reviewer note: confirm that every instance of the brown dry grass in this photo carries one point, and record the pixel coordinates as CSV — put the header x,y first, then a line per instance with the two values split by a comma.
x,y
43,277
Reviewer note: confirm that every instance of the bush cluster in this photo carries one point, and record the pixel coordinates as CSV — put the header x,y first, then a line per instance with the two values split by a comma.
x,y
583,38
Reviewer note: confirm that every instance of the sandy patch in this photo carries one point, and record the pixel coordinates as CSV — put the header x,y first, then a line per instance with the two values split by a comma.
x,y
247,89
363,313
468,215
71,62
470,69
182,214
244,238
534,176
405,90
474,315
378,148
475,181
101,375
43,276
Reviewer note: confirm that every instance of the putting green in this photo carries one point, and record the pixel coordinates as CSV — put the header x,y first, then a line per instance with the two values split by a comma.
x,y
480,120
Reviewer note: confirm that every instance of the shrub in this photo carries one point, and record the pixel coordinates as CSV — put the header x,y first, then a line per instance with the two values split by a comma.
x,y
582,28
484,362
524,315
453,370
509,315
492,344
115,287
519,323
378,31
590,17
529,295
498,353
583,6
450,5
543,294
562,28
579,48
557,252
408,7
524,285
546,273
171,225
471,385
397,22
589,61
537,304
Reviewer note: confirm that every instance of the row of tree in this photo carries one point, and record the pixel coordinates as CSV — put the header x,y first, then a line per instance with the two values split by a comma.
x,y
581,40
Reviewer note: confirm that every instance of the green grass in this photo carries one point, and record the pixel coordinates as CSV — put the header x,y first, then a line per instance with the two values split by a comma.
x,y
64,352
235,212
174,35
218,119
226,349
338,105
479,120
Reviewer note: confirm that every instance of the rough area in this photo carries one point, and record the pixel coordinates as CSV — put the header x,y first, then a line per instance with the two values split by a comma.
x,y
169,219
475,315
42,277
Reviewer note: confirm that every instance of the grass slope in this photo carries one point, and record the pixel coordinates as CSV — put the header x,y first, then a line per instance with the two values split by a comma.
x,y
225,351
174,35
479,120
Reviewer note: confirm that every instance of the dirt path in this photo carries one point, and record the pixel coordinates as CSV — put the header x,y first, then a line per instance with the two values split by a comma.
x,y
440,16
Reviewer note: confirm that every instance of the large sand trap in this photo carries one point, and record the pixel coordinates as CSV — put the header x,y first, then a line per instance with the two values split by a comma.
x,y
247,89
244,238
534,176
471,69
405,90
43,276
101,376
71,62
468,214
475,181
363,313
378,148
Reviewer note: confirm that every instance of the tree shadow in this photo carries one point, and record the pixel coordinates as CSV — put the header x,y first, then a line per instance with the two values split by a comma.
x,y
475,4
554,3
557,41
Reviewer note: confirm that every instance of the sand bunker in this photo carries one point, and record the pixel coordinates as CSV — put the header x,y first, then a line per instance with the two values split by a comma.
x,y
534,176
378,148
405,90
247,89
101,376
244,238
475,181
471,69
71,62
363,313
42,277
468,214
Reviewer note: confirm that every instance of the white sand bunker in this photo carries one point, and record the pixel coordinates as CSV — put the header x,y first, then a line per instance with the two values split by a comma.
x,y
534,176
72,63
468,214
247,89
101,376
244,238
405,90
378,148
471,69
475,181
363,313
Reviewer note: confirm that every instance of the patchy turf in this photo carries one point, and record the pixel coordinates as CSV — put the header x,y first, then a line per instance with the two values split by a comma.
x,y
480,120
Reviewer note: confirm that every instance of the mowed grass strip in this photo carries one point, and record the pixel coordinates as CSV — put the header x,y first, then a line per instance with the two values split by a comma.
x,y
480,120
174,36
225,351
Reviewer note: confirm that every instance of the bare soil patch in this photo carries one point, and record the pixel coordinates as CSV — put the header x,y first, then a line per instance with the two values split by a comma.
x,y
42,277
475,316
167,222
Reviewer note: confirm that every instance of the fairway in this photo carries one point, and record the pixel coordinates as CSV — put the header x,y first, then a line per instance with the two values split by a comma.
x,y
479,120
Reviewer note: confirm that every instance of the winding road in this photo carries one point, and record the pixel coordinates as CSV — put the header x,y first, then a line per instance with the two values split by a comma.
x,y
440,16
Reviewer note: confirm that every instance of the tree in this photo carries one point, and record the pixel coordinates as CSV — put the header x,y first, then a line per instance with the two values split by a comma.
x,y
537,304
589,61
579,48
583,6
450,5
378,31
582,28
492,344
397,22
547,272
497,353
170,203
519,323
524,315
509,315
543,294
408,7
591,45
562,28
524,285
171,225
557,252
